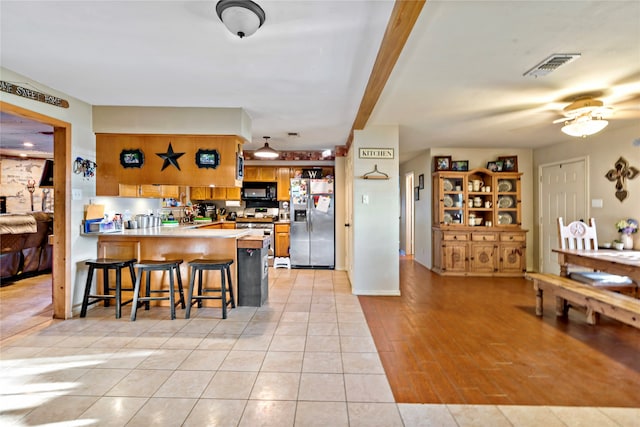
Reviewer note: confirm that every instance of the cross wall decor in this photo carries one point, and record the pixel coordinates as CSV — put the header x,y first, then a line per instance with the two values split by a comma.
x,y
620,173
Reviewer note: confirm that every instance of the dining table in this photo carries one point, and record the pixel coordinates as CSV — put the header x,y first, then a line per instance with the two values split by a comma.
x,y
620,262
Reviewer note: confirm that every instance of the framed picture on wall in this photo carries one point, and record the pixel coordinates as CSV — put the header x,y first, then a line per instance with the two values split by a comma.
x,y
460,165
495,166
416,193
421,181
207,158
131,158
509,163
442,163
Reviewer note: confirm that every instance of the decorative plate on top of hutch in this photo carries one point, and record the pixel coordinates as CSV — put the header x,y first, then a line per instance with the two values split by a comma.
x,y
477,223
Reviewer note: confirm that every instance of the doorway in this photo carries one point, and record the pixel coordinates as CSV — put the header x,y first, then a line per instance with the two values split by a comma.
x,y
61,269
409,209
564,193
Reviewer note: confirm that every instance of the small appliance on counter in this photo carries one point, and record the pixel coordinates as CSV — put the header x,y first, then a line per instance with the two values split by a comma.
x,y
232,216
207,210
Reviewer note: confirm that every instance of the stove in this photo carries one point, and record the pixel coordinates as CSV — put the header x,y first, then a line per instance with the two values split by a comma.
x,y
263,220
258,216
260,222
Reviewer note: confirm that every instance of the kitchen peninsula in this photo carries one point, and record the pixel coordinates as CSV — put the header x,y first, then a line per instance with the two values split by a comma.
x,y
186,242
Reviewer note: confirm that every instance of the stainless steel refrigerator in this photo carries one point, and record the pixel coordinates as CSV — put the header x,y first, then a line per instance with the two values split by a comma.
x,y
312,239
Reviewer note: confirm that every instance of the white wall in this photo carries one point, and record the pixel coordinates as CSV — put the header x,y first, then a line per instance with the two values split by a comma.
x,y
422,208
82,145
602,151
375,224
172,120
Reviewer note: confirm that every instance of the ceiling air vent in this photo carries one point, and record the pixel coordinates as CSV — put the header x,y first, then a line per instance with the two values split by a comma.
x,y
551,64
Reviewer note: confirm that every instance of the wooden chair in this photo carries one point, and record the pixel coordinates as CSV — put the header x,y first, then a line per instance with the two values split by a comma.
x,y
579,235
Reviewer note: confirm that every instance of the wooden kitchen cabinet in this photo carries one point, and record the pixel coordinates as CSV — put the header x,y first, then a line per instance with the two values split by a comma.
x,y
150,191
152,171
233,193
477,223
281,240
228,226
260,173
283,185
215,193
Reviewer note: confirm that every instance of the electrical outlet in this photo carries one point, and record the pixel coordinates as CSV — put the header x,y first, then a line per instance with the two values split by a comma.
x,y
365,199
76,194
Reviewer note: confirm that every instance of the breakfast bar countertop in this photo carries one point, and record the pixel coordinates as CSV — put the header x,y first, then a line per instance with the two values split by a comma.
x,y
181,231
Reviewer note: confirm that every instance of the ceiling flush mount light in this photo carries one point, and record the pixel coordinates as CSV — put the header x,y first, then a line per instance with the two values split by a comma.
x,y
584,126
266,152
241,17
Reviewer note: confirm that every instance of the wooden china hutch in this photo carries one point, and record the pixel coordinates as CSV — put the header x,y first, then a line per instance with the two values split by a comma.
x,y
477,224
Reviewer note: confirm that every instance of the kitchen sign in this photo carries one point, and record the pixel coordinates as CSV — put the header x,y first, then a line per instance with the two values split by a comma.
x,y
376,153
33,94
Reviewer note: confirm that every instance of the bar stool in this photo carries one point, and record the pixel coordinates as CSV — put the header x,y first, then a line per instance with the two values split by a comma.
x,y
147,266
106,264
200,265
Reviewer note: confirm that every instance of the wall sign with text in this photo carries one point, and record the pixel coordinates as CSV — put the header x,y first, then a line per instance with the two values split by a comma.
x,y
375,153
24,92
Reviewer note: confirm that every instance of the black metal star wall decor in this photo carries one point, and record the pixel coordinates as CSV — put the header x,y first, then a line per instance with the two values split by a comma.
x,y
170,158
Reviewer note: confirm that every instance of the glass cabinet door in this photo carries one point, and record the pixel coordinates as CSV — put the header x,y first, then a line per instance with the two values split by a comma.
x,y
507,203
453,202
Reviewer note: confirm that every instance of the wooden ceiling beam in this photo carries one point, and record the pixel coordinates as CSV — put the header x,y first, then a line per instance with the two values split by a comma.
x,y
403,17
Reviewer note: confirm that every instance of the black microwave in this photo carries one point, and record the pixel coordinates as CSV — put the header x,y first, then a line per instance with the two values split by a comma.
x,y
263,191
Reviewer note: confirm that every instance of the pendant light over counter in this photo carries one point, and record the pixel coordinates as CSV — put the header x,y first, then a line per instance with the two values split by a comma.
x,y
266,152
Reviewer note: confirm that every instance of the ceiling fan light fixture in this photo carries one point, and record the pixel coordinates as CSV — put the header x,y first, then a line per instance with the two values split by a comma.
x,y
582,127
241,17
266,152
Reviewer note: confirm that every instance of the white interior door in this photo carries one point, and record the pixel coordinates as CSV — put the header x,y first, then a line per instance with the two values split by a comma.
x,y
563,192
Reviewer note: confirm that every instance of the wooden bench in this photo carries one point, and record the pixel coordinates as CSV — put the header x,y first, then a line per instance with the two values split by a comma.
x,y
596,301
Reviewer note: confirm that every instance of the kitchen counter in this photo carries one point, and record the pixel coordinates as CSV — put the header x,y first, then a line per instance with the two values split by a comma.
x,y
186,242
187,230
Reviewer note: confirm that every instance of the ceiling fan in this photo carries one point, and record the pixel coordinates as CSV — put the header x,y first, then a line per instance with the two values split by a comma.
x,y
585,116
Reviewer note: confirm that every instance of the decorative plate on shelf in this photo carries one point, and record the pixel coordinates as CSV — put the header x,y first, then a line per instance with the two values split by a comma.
x,y
504,185
504,219
447,219
505,202
448,185
448,201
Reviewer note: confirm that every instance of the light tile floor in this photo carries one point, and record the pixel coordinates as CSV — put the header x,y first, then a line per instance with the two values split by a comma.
x,y
304,359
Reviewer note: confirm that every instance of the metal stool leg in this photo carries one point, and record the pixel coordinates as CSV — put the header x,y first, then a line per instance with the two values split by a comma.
x,y
172,296
136,294
118,292
223,294
87,291
180,290
105,285
233,301
190,296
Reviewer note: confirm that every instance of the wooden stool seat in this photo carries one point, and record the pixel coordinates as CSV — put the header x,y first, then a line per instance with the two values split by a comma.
x,y
147,266
203,264
106,264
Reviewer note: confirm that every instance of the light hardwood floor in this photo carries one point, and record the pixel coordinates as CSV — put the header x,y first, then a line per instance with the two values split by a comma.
x,y
478,341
